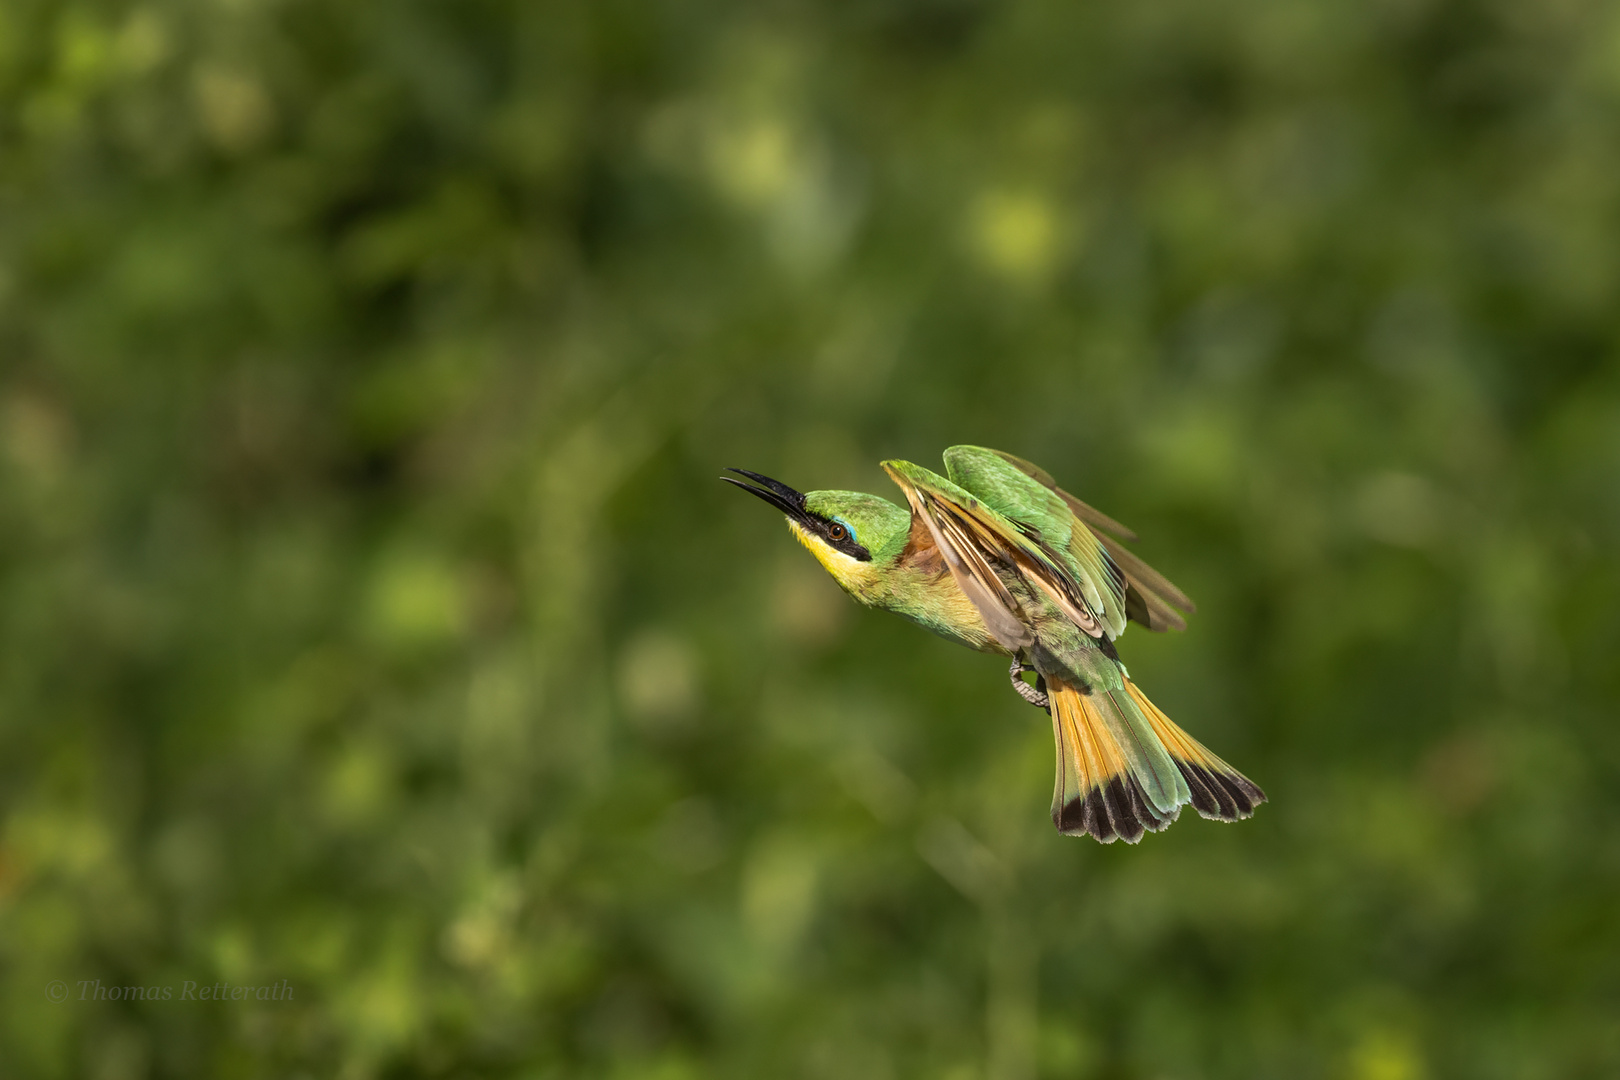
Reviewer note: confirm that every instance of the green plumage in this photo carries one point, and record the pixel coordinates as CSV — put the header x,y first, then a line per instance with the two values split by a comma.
x,y
995,556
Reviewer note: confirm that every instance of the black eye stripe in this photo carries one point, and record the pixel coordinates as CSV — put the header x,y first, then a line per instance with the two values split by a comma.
x,y
839,538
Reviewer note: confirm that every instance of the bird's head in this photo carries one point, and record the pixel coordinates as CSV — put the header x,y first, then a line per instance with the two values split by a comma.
x,y
854,535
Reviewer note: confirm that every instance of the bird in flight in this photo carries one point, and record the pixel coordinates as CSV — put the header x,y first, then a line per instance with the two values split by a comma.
x,y
995,556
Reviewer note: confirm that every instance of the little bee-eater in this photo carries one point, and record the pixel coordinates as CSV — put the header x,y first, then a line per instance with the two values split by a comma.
x,y
996,556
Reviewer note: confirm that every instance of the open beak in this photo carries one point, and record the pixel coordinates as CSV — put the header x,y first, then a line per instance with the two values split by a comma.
x,y
775,492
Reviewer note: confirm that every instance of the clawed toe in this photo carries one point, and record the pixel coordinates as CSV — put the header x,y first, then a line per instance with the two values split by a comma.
x,y
1035,695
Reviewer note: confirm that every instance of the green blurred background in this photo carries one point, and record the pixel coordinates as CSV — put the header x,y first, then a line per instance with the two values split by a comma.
x,y
371,617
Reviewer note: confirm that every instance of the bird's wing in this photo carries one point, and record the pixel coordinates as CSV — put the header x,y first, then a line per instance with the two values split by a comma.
x,y
1046,521
974,538
1084,511
1150,598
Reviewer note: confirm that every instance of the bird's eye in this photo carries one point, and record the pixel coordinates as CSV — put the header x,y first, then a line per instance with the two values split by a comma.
x,y
836,532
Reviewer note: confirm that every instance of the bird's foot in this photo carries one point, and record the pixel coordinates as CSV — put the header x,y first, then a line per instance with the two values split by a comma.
x,y
1035,695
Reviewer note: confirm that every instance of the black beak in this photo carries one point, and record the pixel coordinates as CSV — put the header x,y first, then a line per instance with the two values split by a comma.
x,y
775,492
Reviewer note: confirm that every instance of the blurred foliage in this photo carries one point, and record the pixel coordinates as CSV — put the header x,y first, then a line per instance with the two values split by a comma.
x,y
372,618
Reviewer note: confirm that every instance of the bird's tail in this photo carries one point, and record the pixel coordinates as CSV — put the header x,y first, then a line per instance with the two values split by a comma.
x,y
1123,768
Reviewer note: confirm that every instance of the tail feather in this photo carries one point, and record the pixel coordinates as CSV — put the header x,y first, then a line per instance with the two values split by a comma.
x,y
1098,792
1220,792
1109,790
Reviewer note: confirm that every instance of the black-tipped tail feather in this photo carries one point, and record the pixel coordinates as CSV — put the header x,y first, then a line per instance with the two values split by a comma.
x,y
1116,810
1221,796
1100,794
1107,786
1219,792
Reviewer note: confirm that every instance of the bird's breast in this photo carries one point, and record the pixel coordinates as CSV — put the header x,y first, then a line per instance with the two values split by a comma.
x,y
936,603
